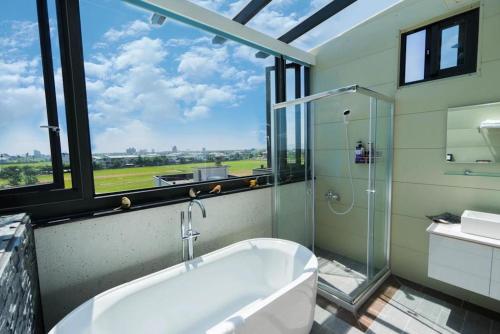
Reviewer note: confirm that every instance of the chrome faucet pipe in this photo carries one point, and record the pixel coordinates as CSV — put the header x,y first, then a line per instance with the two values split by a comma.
x,y
187,233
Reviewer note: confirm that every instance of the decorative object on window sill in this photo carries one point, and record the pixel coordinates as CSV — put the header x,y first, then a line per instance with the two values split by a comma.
x,y
216,190
468,172
125,204
445,218
253,184
193,193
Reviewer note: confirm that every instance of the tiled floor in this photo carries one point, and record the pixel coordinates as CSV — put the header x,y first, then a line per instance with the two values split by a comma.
x,y
340,272
400,306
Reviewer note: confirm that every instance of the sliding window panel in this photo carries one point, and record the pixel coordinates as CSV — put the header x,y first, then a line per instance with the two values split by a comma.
x,y
32,157
167,107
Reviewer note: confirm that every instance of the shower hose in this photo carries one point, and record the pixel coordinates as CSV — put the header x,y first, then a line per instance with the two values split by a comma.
x,y
350,176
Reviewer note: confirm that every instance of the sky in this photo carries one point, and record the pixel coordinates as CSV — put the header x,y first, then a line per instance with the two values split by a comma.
x,y
149,87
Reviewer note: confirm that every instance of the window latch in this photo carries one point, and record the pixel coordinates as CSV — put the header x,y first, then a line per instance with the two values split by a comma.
x,y
52,128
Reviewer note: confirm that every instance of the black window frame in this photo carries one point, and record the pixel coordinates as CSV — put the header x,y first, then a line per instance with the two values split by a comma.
x,y
50,108
468,40
288,172
49,206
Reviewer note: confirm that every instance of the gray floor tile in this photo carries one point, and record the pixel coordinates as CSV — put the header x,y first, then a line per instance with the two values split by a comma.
x,y
495,327
339,326
427,312
415,326
476,324
321,315
341,273
451,320
413,311
407,299
316,329
391,320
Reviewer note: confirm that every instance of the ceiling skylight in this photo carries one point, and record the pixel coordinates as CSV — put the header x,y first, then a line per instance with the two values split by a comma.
x,y
279,16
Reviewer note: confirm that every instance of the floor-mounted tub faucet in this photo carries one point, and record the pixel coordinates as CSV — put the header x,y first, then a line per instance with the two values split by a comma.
x,y
188,234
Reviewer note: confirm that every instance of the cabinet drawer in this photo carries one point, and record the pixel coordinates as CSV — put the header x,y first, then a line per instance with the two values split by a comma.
x,y
460,263
460,255
463,280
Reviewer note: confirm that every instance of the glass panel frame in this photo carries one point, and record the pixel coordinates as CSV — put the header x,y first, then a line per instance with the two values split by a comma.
x,y
375,275
50,100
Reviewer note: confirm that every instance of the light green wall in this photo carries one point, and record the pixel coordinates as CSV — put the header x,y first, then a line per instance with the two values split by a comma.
x,y
369,55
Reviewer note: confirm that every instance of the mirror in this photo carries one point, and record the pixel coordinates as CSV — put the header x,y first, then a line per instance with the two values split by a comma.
x,y
473,134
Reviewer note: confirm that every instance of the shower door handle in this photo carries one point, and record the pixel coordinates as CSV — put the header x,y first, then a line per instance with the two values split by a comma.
x,y
370,191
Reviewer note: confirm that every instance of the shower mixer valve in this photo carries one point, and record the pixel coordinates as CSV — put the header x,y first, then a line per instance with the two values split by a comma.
x,y
330,195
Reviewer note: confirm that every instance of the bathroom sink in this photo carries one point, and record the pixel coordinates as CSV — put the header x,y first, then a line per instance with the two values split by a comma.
x,y
481,223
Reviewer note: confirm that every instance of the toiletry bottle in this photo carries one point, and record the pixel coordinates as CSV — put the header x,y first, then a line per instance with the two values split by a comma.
x,y
359,153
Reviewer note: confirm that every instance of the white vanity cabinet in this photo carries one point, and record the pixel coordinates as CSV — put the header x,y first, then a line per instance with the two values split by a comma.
x,y
495,275
468,261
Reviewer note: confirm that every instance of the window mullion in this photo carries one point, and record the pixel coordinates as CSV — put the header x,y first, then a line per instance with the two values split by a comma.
x,y
75,97
431,52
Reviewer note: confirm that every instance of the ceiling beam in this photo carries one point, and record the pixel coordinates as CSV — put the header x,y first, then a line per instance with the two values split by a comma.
x,y
312,22
197,16
245,15
315,19
250,10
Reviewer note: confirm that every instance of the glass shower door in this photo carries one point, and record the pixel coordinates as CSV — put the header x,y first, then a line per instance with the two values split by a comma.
x,y
380,189
332,186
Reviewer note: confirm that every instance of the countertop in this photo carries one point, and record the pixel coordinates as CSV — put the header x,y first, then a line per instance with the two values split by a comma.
x,y
454,231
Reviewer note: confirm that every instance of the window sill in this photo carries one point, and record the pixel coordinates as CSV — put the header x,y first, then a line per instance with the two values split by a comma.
x,y
102,213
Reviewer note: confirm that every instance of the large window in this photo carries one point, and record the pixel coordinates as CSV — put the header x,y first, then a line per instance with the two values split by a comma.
x,y
98,103
166,105
33,144
439,50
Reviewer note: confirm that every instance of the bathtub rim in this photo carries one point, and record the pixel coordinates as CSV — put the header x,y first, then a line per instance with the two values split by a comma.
x,y
311,269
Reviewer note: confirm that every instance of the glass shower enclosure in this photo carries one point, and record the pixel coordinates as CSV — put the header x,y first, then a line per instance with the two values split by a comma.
x,y
332,189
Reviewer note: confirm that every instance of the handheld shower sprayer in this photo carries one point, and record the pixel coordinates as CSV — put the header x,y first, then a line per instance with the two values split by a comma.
x,y
347,112
330,195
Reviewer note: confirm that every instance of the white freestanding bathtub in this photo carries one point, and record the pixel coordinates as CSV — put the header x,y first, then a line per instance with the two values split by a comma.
x,y
253,286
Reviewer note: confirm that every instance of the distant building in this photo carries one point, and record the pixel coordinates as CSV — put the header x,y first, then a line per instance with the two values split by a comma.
x,y
109,161
174,149
200,174
37,154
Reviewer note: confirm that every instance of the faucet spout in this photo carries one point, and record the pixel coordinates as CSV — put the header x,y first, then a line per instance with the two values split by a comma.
x,y
190,209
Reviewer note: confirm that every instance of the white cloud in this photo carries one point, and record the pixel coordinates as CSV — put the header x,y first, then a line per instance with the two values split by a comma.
x,y
118,139
22,34
131,29
274,23
19,102
22,108
200,62
139,52
197,112
248,54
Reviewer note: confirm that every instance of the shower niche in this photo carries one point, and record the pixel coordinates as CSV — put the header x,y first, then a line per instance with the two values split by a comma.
x,y
338,201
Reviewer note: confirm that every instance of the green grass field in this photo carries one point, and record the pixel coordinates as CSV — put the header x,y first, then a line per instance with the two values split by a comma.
x,y
123,179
